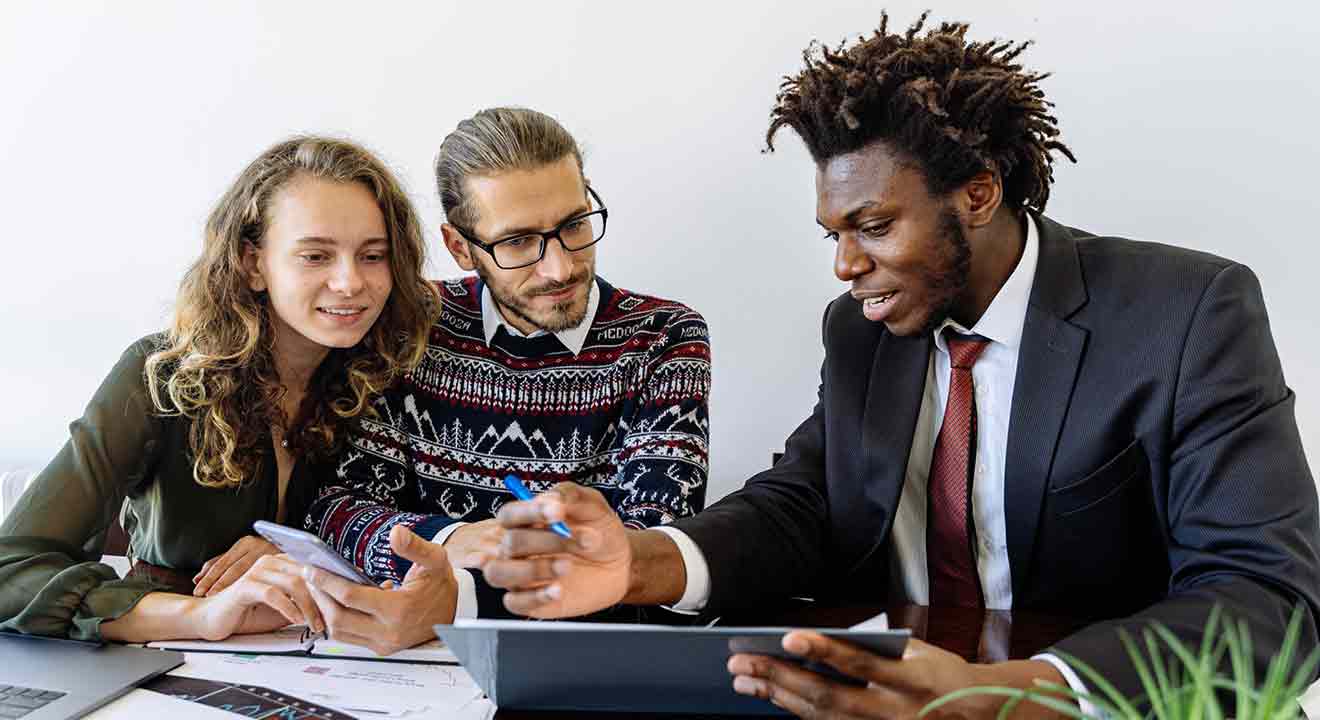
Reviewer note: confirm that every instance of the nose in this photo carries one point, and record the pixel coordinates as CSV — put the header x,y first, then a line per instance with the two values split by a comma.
x,y
346,278
556,264
850,261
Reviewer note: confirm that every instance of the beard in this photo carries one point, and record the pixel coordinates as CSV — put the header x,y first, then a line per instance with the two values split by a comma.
x,y
948,280
560,316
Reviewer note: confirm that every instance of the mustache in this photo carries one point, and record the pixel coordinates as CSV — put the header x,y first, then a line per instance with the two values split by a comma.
x,y
552,288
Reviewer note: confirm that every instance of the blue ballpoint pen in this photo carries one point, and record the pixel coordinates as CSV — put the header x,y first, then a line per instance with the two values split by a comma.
x,y
520,491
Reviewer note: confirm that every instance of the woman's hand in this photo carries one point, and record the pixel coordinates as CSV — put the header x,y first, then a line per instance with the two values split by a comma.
x,y
270,595
223,570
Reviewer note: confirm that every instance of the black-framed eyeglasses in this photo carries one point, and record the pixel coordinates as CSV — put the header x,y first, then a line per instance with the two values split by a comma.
x,y
576,233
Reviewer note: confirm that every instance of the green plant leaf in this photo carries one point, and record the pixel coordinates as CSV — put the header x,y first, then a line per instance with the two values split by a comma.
x,y
1052,703
1092,676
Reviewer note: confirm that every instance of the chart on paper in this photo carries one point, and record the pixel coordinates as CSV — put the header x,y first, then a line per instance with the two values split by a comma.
x,y
246,700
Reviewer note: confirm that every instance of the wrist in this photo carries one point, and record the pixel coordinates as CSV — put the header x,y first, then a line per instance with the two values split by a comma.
x,y
656,574
1021,675
158,616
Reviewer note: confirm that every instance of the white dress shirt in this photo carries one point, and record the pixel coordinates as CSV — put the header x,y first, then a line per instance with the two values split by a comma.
x,y
491,319
993,377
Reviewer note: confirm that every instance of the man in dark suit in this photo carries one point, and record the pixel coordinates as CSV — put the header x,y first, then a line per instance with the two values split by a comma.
x,y
1012,414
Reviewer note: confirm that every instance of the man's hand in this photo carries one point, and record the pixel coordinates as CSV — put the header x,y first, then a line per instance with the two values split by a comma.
x,y
223,570
896,688
548,576
388,619
464,545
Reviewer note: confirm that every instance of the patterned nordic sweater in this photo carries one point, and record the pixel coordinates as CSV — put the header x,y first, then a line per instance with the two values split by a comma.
x,y
626,416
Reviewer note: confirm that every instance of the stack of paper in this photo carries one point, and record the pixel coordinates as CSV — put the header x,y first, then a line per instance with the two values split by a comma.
x,y
298,640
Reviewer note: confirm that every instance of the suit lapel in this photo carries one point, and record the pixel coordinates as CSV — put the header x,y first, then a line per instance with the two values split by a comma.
x,y
896,384
1048,361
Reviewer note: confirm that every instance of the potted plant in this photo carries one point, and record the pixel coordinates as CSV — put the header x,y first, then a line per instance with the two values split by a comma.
x,y
1177,683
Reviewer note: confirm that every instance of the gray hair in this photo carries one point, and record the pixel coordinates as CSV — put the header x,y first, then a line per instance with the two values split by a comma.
x,y
493,141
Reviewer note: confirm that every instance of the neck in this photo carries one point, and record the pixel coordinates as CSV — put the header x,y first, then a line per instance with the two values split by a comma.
x,y
996,250
296,358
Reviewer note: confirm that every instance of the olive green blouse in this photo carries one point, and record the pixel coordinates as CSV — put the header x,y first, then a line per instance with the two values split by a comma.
x,y
51,580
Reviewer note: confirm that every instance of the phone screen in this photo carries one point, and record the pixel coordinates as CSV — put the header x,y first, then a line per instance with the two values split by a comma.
x,y
308,549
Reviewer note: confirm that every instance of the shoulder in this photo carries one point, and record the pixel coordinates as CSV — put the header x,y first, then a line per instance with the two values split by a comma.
x,y
460,307
666,328
133,360
629,310
1140,269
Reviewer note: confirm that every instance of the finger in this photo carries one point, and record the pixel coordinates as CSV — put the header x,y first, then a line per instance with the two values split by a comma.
x,y
205,566
274,597
519,543
526,574
843,656
345,592
521,514
218,566
804,692
541,602
231,574
341,620
286,578
569,501
408,544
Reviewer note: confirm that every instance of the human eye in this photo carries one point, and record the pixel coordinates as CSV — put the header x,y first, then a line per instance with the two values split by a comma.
x,y
831,236
313,258
876,231
375,256
575,225
517,242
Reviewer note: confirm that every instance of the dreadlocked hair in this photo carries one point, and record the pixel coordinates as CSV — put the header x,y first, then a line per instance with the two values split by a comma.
x,y
953,108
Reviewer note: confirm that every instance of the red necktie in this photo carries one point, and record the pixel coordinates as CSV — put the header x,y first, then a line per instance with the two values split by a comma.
x,y
950,556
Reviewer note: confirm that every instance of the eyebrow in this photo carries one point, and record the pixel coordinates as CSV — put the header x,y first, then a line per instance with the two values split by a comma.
x,y
330,242
852,215
506,233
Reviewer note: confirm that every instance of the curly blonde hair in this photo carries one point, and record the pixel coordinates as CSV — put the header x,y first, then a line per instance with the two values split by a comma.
x,y
216,365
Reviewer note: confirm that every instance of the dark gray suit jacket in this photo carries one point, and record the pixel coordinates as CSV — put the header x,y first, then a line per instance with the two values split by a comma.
x,y
1154,466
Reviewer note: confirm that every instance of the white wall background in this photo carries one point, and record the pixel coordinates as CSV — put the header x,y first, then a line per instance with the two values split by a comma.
x,y
1194,123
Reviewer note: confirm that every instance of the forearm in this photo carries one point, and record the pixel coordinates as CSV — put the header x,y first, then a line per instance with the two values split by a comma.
x,y
657,575
157,616
358,528
1020,675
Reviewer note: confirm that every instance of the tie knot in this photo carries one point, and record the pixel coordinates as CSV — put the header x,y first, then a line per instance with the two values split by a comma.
x,y
964,349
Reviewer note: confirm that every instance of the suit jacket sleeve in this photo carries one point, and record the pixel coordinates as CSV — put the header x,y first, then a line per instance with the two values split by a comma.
x,y
1241,502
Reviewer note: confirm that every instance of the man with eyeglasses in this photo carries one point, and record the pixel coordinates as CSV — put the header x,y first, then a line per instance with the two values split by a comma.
x,y
535,367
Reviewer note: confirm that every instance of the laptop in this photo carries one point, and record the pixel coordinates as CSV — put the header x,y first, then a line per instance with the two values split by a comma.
x,y
45,678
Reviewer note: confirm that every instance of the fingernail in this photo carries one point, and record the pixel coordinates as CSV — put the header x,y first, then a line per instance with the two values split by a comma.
x,y
561,567
588,540
473,559
553,592
552,510
744,685
796,644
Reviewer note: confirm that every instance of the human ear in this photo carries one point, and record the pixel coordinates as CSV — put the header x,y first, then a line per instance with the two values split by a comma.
x,y
252,265
980,197
458,246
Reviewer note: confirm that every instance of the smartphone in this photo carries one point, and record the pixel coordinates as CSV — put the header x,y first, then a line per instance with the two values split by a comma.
x,y
308,549
887,643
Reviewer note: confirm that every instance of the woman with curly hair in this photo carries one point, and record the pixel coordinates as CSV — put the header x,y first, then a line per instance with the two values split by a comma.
x,y
307,301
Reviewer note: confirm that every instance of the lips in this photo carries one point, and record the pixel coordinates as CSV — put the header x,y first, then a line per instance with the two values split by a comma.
x,y
343,311
880,299
878,306
560,293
